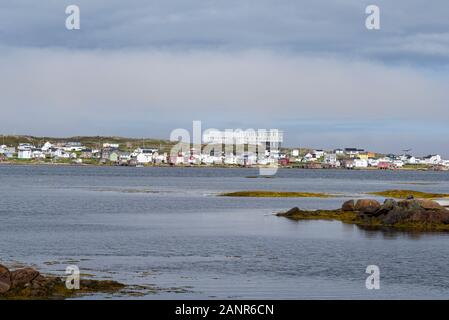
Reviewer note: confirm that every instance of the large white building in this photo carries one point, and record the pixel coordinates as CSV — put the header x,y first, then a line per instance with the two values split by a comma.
x,y
271,139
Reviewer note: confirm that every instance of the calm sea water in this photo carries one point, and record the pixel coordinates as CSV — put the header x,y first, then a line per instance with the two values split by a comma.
x,y
167,228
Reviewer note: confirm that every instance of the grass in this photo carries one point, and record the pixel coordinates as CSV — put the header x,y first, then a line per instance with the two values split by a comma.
x,y
403,194
57,290
275,194
373,223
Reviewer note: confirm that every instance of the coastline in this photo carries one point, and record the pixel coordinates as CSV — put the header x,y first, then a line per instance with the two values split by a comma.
x,y
164,165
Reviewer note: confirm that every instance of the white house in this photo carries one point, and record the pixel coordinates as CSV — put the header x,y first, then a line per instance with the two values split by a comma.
x,y
432,159
353,151
46,147
144,157
373,162
73,146
398,163
339,151
25,154
309,157
360,163
60,153
331,158
37,154
318,153
111,145
25,151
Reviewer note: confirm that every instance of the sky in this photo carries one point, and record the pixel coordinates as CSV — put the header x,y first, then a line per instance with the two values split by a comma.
x,y
143,68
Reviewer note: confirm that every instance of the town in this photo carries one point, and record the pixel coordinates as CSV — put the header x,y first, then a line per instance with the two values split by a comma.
x,y
212,154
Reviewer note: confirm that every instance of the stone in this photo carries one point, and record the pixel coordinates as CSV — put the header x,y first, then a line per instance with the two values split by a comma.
x,y
23,277
348,206
410,205
367,206
292,211
5,279
430,205
386,207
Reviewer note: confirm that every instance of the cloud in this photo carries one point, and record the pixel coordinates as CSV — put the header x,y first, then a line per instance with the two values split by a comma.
x,y
250,82
411,31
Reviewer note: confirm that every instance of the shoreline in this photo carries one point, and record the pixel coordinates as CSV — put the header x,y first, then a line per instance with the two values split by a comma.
x,y
66,164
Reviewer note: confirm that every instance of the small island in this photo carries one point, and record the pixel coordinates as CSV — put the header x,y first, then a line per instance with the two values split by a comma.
x,y
28,283
404,194
407,215
275,194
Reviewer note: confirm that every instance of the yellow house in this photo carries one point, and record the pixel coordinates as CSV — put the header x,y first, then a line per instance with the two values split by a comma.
x,y
363,156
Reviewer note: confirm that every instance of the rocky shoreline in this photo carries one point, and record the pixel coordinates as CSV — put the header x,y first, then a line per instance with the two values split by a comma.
x,y
28,283
410,214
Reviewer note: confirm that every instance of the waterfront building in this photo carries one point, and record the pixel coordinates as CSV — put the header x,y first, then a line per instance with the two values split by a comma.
x,y
269,139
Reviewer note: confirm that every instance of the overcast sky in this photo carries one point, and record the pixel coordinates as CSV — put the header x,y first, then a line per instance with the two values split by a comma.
x,y
143,68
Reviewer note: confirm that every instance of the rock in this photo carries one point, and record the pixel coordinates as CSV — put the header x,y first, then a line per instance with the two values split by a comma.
x,y
291,212
431,217
410,205
367,206
23,277
5,279
348,206
386,207
397,215
430,205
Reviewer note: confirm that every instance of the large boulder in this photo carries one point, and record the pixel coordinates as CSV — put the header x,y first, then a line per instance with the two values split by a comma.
x,y
5,279
430,205
386,207
410,205
348,206
397,215
431,217
291,212
23,277
368,206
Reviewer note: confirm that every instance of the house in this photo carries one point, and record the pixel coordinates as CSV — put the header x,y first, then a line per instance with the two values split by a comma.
x,y
348,164
86,154
432,159
111,145
144,157
360,163
283,161
331,158
408,159
385,165
73,146
373,162
318,154
295,153
7,152
25,154
25,151
60,153
309,157
113,156
46,147
353,151
339,151
398,163
363,156
37,154
124,156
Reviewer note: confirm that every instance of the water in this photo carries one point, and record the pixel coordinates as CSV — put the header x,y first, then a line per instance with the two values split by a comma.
x,y
167,228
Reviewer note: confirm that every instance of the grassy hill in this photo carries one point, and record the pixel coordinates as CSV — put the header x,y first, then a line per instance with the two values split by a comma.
x,y
89,141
